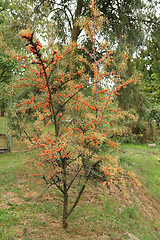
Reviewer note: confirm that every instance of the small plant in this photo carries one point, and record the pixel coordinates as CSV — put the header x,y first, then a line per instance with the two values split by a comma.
x,y
72,106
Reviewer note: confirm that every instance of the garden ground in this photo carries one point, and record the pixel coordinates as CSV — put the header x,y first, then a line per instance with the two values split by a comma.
x,y
98,216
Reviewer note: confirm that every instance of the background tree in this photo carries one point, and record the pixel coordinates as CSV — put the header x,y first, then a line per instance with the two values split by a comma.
x,y
148,65
124,18
6,63
14,16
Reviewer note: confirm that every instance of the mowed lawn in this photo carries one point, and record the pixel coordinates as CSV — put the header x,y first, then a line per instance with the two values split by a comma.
x,y
98,216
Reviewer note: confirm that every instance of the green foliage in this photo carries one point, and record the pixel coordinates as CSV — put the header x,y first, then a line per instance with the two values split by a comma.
x,y
3,125
148,65
120,15
123,18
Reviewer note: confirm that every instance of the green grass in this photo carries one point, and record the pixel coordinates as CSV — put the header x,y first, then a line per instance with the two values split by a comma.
x,y
143,160
3,125
3,130
98,216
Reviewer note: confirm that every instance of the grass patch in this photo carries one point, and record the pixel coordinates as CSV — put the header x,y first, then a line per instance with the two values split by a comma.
x,y
143,160
3,133
3,125
98,216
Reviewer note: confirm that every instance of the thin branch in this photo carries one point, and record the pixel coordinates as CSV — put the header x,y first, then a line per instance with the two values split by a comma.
x,y
70,184
55,183
67,101
81,191
63,10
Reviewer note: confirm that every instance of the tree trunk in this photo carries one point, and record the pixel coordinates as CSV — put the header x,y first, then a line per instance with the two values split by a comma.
x,y
65,195
85,163
74,35
65,208
76,29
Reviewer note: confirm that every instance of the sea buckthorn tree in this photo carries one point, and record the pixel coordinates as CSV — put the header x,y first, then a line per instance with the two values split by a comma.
x,y
69,111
